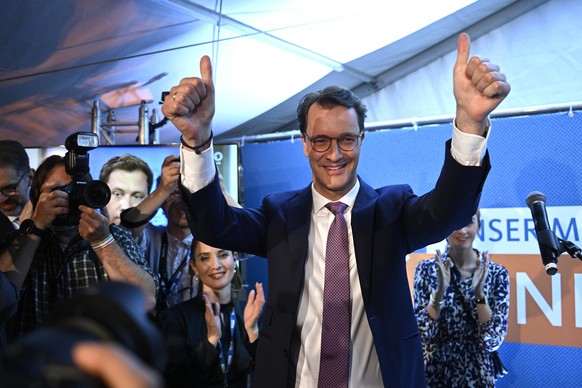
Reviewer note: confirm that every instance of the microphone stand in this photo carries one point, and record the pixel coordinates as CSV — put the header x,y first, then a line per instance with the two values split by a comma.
x,y
572,249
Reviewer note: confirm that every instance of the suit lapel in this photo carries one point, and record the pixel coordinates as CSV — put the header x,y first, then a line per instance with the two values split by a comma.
x,y
298,224
363,231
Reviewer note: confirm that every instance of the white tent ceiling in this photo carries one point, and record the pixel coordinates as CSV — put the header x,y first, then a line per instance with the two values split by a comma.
x,y
58,57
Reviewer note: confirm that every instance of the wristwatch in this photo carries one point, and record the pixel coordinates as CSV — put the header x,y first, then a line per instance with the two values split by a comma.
x,y
480,300
28,227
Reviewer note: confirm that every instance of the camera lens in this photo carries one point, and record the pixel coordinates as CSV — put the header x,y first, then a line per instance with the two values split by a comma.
x,y
96,194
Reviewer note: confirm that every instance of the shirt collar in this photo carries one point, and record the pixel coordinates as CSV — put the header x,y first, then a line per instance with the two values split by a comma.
x,y
319,201
174,240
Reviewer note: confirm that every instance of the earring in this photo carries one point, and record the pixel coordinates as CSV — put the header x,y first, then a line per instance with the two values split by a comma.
x,y
196,277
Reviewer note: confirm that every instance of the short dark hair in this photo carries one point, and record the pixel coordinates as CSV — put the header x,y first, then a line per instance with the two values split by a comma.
x,y
13,154
328,98
128,163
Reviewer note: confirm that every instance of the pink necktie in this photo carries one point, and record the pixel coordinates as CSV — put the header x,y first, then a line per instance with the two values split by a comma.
x,y
334,367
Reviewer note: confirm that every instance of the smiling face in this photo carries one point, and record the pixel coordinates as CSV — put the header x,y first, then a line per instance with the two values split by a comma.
x,y
464,237
335,170
214,267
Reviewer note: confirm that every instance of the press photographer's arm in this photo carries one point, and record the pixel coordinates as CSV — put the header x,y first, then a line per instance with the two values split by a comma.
x,y
15,261
94,227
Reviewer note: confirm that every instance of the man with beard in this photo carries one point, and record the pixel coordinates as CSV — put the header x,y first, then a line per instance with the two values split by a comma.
x,y
15,178
55,253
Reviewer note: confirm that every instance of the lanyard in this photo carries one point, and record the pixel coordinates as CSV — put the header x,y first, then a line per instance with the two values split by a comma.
x,y
225,362
169,284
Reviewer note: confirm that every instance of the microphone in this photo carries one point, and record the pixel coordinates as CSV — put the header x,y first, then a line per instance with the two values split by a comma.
x,y
547,240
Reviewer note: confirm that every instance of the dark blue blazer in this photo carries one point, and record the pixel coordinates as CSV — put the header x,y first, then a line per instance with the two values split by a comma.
x,y
387,223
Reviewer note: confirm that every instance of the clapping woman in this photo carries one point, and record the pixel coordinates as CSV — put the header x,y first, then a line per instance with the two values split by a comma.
x,y
210,340
461,301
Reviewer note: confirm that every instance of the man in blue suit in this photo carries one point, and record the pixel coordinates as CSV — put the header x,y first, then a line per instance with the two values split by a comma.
x,y
290,229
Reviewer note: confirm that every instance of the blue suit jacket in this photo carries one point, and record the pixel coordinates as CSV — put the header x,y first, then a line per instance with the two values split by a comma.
x,y
387,223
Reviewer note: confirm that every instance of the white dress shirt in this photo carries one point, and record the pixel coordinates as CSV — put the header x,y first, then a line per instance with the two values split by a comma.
x,y
364,368
15,221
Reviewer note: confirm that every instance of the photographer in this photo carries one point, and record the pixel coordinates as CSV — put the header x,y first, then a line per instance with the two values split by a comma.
x,y
53,259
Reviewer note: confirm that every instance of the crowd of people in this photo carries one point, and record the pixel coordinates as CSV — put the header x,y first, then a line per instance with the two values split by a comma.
x,y
338,311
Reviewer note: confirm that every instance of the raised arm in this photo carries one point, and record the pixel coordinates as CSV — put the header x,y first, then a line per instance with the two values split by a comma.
x,y
479,87
190,106
94,227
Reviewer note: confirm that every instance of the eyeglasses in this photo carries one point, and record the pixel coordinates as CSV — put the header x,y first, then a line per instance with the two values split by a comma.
x,y
321,143
10,190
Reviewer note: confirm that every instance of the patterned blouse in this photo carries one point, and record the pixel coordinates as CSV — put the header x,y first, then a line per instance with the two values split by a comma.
x,y
456,347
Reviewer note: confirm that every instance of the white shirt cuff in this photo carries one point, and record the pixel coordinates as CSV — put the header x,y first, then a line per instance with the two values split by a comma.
x,y
197,170
469,149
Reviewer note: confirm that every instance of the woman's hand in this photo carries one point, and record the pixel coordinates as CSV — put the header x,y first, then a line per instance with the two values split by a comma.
x,y
253,311
444,276
213,321
480,275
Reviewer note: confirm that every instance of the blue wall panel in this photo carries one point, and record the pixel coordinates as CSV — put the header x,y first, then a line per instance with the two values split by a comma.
x,y
534,153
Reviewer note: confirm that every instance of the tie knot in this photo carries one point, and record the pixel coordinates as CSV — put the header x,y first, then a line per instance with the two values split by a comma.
x,y
336,207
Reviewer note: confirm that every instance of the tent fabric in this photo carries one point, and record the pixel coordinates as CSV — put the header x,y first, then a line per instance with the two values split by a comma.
x,y
60,57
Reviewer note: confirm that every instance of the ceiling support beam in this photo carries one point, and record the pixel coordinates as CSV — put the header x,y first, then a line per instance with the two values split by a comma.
x,y
214,18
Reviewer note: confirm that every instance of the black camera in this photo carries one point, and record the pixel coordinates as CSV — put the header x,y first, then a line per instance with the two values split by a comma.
x,y
108,312
82,190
